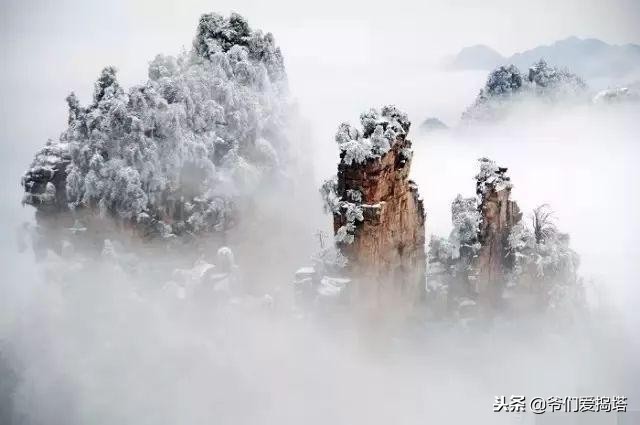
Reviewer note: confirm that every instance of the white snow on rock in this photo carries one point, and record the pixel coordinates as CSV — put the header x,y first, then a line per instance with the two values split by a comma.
x,y
207,126
379,130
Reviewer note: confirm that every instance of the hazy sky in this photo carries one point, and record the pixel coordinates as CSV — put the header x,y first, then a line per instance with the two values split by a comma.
x,y
340,55
109,348
52,47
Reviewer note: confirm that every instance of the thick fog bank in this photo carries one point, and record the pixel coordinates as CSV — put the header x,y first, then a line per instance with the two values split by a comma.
x,y
84,340
107,348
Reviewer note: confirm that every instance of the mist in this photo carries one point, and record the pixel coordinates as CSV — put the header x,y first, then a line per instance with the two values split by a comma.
x,y
104,337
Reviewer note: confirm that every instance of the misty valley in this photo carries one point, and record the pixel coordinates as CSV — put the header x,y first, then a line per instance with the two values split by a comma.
x,y
192,250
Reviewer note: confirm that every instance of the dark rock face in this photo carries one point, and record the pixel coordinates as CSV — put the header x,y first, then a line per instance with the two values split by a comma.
x,y
44,183
387,256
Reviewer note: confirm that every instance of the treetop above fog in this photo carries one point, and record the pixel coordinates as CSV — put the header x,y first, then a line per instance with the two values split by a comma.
x,y
507,83
379,130
208,125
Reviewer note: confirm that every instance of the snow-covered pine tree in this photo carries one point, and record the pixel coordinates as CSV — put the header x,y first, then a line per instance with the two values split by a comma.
x,y
540,267
175,153
545,266
507,84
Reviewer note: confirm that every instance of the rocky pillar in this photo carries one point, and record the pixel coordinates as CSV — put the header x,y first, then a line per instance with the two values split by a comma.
x,y
386,255
498,216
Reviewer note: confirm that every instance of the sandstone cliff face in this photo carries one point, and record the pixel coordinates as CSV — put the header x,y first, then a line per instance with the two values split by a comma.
x,y
386,256
499,215
469,270
494,262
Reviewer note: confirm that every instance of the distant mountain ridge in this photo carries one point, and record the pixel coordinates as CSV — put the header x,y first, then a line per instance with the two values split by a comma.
x,y
588,57
477,57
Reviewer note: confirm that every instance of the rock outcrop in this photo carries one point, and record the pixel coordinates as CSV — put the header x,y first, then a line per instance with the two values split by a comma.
x,y
379,219
507,87
499,214
493,262
44,183
175,155
469,270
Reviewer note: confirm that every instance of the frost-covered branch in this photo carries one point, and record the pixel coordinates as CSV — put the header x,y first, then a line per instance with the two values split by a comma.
x,y
208,125
380,128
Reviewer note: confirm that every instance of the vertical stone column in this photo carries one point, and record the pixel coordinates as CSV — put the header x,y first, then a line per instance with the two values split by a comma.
x,y
498,216
386,258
